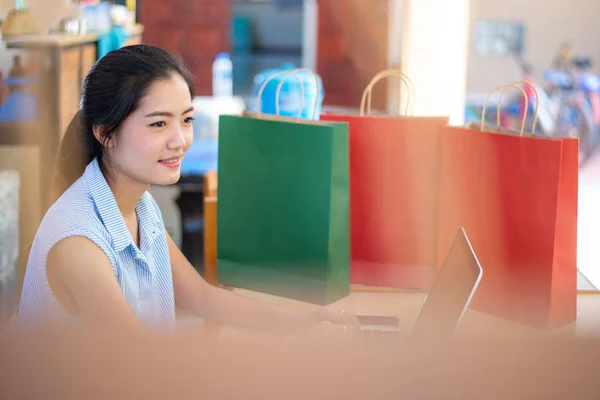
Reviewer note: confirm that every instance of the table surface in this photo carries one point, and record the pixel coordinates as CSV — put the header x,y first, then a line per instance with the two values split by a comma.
x,y
407,306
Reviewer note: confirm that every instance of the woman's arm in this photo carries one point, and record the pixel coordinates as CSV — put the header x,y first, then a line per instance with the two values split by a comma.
x,y
224,306
83,281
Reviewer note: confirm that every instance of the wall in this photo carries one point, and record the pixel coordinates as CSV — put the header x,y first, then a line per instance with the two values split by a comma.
x,y
196,29
548,24
435,47
352,46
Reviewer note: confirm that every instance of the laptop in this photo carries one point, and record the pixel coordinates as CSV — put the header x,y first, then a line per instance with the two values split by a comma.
x,y
446,303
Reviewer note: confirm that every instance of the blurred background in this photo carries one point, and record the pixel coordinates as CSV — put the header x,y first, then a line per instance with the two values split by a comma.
x,y
455,52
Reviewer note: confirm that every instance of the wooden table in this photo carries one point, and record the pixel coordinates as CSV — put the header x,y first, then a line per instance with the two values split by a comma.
x,y
407,306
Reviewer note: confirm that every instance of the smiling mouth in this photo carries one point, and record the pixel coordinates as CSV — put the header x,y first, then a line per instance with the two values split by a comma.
x,y
170,160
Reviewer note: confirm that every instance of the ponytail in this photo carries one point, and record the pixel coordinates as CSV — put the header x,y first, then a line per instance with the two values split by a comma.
x,y
74,154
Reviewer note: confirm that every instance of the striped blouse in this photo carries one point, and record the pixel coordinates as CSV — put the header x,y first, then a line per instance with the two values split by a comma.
x,y
88,208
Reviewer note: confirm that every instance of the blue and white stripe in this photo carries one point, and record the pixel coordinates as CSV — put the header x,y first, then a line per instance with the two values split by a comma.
x,y
88,208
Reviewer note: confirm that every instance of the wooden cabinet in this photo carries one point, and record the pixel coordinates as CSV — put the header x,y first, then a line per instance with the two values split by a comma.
x,y
69,85
75,63
64,61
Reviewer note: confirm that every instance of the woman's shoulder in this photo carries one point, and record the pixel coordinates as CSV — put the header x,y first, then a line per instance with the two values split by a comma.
x,y
74,213
75,203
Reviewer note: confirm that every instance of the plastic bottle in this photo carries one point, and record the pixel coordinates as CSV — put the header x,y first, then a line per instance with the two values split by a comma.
x,y
222,76
17,70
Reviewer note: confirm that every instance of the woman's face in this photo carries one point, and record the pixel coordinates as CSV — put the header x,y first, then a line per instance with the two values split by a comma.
x,y
152,141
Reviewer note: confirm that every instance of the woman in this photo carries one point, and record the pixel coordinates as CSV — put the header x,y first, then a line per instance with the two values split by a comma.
x,y
102,252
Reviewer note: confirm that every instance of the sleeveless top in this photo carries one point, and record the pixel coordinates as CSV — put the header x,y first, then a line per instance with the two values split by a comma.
x,y
89,209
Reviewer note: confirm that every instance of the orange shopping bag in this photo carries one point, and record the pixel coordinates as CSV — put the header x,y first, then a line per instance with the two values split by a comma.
x,y
516,197
393,191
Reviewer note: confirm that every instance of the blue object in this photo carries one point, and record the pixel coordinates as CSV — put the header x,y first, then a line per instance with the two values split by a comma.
x,y
558,78
291,93
222,76
20,105
287,3
590,83
201,157
112,40
514,109
241,35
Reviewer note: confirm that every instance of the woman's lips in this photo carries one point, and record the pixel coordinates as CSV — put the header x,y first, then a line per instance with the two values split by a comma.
x,y
171,162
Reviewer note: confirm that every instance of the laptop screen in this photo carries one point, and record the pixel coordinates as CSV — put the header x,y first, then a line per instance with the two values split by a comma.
x,y
451,292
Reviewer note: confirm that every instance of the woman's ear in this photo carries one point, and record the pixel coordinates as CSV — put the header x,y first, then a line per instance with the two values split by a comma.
x,y
98,135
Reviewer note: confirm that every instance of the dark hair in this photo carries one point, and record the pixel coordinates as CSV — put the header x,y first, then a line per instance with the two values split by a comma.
x,y
112,90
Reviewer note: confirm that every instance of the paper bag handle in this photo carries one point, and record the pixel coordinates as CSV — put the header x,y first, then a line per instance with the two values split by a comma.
x,y
366,97
262,88
314,114
537,104
505,87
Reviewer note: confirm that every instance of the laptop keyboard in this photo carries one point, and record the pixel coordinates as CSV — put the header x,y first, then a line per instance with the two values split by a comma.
x,y
380,333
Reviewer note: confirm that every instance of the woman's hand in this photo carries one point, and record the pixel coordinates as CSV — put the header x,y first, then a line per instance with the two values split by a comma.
x,y
342,318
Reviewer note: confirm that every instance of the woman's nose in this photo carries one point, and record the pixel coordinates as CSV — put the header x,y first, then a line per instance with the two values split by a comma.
x,y
178,139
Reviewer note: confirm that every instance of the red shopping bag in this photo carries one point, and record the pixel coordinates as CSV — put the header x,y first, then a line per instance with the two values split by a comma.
x,y
393,191
516,197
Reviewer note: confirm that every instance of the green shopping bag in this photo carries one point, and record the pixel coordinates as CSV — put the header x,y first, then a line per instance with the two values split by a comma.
x,y
283,223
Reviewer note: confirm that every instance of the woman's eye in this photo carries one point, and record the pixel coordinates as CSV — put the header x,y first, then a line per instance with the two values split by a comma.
x,y
158,124
188,120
